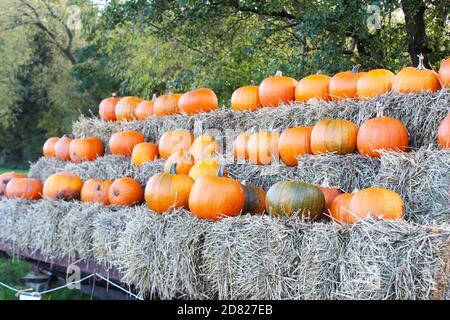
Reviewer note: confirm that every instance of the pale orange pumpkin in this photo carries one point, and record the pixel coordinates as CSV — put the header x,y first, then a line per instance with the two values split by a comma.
x,y
107,108
49,147
313,87
262,147
444,133
144,152
24,188
343,84
125,192
245,99
330,194
87,149
198,101
444,73
122,143
334,136
174,141
203,147
126,108
339,209
277,90
96,191
62,148
293,143
205,167
144,110
7,177
240,146
62,186
374,83
183,159
166,105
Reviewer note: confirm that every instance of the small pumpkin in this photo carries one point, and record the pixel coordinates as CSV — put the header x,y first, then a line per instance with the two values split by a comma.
x,y
205,167
49,147
286,198
144,152
62,148
87,149
254,199
374,83
122,143
125,192
277,90
7,177
293,143
343,84
245,99
184,161
444,133
24,188
126,108
62,186
381,133
444,73
203,147
166,105
96,191
198,101
330,194
262,147
240,146
107,108
339,211
334,136
144,110
174,141
313,87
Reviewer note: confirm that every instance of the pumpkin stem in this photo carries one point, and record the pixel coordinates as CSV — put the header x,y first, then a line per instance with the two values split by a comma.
x,y
113,94
221,171
355,69
252,83
173,168
154,97
278,74
421,58
319,72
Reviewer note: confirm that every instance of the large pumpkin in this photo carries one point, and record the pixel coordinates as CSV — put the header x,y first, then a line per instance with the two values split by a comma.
x,y
262,147
330,194
374,83
286,198
126,108
313,87
205,167
343,84
24,188
245,99
198,101
444,73
144,152
334,136
240,146
144,110
339,208
173,141
96,191
87,149
49,147
107,108
254,199
215,197
7,177
166,191
62,186
277,90
122,143
293,143
183,159
62,149
125,192
382,133
204,146
444,133
166,104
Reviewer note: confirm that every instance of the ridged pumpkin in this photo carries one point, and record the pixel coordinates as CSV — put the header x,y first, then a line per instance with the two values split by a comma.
x,y
204,147
286,198
107,108
277,90
334,136
184,161
174,141
339,208
343,84
49,147
87,149
215,197
262,147
96,191
313,87
374,83
444,73
166,191
330,194
144,152
122,143
126,108
382,133
24,188
198,101
375,202
125,192
62,149
7,177
62,186
167,104
293,143
205,167
245,99
444,133
240,146
254,199
144,110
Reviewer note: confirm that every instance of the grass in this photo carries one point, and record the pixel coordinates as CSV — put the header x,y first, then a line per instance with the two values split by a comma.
x,y
3,170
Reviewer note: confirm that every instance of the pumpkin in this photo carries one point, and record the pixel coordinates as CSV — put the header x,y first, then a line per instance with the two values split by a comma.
x,y
277,90
334,136
7,177
381,133
184,162
87,149
262,147
374,83
96,191
245,99
198,101
254,199
144,110
343,84
416,80
49,147
24,188
204,146
286,198
62,186
240,146
173,141
122,143
330,194
126,108
444,73
144,152
293,143
205,167
166,191
339,208
375,202
444,133
107,108
166,105
313,87
215,197
125,192
62,149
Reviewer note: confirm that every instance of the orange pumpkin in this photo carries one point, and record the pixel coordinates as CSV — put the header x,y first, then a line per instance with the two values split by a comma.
x,y
49,147
144,110
444,73
334,136
144,152
330,194
444,133
165,191
343,84
254,199
62,186
87,149
374,83
24,188
125,192
174,141
262,147
245,99
203,147
313,87
205,167
96,191
240,146
7,177
277,90
122,143
107,108
215,197
126,108
293,143
198,101
62,149
381,133
167,105
339,209
184,162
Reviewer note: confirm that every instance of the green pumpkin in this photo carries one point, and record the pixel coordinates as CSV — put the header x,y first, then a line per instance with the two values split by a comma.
x,y
254,199
286,198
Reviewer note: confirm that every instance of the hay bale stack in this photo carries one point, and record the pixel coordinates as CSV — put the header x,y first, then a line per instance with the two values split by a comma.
x,y
13,227
45,167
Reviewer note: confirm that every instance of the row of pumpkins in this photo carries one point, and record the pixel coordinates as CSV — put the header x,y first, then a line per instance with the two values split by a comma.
x,y
211,196
279,89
